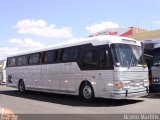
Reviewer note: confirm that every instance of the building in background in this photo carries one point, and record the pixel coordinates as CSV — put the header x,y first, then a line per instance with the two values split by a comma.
x,y
2,71
127,32
149,38
147,35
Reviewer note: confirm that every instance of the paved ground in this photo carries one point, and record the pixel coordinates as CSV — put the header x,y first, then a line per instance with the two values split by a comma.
x,y
44,103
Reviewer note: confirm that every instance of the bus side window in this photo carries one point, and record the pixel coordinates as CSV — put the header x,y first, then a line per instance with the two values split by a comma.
x,y
34,58
22,60
69,54
11,62
50,56
104,58
90,60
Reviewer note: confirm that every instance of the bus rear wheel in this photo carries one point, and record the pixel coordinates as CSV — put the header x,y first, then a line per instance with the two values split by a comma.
x,y
21,86
86,92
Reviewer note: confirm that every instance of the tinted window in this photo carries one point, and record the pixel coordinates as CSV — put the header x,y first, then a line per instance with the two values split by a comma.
x,y
11,62
104,58
22,60
34,58
50,56
90,59
69,54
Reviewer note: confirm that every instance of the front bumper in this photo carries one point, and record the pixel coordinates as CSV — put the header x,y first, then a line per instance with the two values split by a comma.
x,y
156,87
127,94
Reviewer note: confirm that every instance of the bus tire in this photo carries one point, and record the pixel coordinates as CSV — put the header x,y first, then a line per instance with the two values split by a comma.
x,y
86,92
21,86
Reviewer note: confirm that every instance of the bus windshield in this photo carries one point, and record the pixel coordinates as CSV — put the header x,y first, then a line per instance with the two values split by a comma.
x,y
127,55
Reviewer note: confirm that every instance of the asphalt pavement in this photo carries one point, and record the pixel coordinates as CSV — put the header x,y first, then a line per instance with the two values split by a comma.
x,y
61,106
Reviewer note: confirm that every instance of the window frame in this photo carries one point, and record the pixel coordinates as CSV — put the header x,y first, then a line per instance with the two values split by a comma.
x,y
90,47
10,59
56,54
39,59
27,60
69,60
89,67
110,58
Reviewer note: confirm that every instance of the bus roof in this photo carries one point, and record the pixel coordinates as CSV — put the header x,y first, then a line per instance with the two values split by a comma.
x,y
95,41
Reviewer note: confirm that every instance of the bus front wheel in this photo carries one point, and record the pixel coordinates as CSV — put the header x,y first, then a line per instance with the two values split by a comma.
x,y
86,92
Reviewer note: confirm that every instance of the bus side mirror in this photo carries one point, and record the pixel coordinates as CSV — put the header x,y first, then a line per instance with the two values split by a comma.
x,y
107,55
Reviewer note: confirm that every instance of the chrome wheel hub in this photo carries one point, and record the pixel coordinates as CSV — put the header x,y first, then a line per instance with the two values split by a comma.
x,y
87,92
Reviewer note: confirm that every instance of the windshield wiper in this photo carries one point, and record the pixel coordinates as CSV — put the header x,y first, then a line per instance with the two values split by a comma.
x,y
131,61
147,55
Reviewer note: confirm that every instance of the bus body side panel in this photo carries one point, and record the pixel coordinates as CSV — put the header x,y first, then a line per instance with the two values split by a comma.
x,y
31,75
12,76
67,77
60,77
105,83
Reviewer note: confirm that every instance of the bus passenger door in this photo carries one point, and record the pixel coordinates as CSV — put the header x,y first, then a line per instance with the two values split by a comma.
x,y
105,83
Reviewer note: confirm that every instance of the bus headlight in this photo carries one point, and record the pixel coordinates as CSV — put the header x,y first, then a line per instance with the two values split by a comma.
x,y
126,84
156,80
146,83
118,85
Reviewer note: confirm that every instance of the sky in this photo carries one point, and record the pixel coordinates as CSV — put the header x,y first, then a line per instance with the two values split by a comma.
x,y
29,24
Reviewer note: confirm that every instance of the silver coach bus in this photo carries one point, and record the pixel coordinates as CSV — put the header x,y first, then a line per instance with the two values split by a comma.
x,y
102,66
